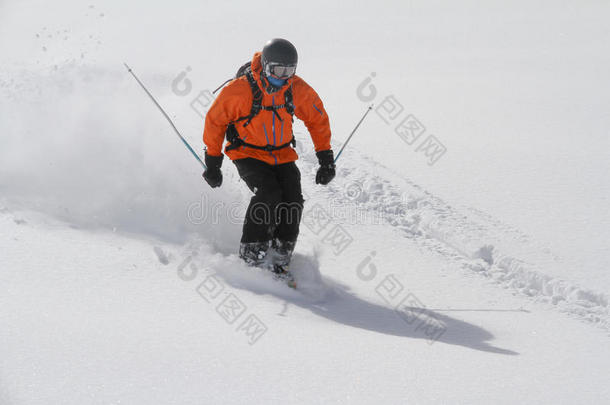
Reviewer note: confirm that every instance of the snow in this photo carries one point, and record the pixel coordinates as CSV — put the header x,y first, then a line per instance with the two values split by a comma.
x,y
479,278
95,317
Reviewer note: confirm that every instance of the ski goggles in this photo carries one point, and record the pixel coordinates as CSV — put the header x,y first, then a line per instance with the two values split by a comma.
x,y
280,71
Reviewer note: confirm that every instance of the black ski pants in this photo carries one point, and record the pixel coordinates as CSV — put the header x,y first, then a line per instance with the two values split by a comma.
x,y
277,205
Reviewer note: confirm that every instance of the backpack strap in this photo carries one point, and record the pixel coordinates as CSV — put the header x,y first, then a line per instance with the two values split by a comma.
x,y
237,142
257,98
288,101
288,105
257,105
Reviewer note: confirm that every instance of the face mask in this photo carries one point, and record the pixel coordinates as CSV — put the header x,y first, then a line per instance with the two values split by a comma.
x,y
276,82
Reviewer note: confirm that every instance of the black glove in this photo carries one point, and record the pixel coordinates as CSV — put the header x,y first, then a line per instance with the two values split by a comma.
x,y
326,172
212,174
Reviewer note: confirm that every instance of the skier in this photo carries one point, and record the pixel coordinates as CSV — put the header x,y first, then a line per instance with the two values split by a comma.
x,y
255,112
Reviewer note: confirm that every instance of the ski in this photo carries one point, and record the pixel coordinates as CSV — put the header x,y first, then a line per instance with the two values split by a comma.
x,y
280,273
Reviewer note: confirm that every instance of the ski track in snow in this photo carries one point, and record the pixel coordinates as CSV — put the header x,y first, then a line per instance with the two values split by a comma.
x,y
469,238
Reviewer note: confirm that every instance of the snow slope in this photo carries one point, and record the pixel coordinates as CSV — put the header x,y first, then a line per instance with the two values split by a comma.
x,y
418,283
134,187
101,317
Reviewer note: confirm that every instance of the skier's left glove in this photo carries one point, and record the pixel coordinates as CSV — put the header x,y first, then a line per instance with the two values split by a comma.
x,y
212,174
326,172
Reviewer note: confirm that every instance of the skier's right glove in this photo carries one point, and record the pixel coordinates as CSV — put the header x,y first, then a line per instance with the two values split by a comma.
x,y
326,172
212,174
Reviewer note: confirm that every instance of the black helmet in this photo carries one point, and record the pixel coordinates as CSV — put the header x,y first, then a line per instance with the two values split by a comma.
x,y
279,58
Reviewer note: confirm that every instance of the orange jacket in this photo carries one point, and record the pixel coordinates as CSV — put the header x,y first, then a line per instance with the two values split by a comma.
x,y
235,101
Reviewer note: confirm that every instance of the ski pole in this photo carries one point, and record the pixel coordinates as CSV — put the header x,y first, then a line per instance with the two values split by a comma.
x,y
166,116
354,131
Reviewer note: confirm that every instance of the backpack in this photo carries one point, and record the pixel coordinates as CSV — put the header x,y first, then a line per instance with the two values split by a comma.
x,y
257,105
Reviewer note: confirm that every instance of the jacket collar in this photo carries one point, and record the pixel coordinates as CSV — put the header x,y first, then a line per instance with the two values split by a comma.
x,y
257,70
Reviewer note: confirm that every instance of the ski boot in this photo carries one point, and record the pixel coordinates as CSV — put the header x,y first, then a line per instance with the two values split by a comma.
x,y
276,260
254,253
281,253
